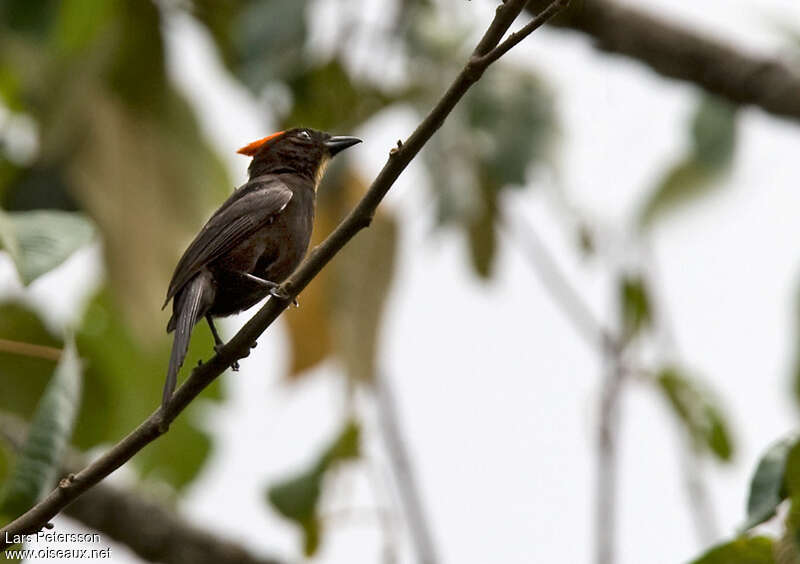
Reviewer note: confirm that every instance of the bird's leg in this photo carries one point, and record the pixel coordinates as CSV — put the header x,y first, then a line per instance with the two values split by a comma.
x,y
274,289
218,341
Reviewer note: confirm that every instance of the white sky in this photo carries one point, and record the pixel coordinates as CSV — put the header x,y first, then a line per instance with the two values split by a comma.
x,y
496,391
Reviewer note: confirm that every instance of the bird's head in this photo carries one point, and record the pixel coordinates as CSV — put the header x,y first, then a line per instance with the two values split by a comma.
x,y
300,150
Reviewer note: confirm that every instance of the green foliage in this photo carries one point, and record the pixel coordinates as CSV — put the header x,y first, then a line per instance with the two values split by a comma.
x,y
116,140
326,97
38,241
38,462
6,458
510,114
31,17
747,550
219,16
713,141
36,187
505,127
123,386
714,133
78,22
635,308
700,415
24,377
481,232
790,543
767,487
297,498
259,41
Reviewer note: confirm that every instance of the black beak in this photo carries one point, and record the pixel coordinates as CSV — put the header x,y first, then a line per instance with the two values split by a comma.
x,y
339,143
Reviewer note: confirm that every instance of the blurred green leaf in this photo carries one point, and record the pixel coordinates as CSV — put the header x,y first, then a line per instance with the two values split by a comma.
x,y
9,89
327,98
39,241
695,408
481,232
714,133
749,550
713,141
24,377
38,463
269,38
297,498
6,458
635,306
220,17
510,115
505,127
767,486
717,436
34,17
792,473
137,68
345,447
79,22
789,545
37,187
124,381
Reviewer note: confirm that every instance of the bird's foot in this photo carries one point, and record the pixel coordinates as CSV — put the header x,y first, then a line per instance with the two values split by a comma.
x,y
234,364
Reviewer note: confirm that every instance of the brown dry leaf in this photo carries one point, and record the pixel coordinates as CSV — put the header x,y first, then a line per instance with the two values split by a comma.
x,y
341,309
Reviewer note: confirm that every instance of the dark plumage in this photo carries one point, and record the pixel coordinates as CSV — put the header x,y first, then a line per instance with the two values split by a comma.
x,y
254,241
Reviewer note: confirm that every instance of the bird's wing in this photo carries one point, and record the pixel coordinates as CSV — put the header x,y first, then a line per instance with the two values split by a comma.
x,y
245,211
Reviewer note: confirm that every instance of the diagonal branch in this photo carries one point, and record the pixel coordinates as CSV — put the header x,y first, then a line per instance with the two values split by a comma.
x,y
239,346
682,54
148,528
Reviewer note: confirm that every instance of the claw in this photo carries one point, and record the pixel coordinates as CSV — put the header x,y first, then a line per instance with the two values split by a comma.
x,y
276,292
234,364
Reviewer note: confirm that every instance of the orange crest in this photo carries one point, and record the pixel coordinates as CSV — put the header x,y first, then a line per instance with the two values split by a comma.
x,y
252,148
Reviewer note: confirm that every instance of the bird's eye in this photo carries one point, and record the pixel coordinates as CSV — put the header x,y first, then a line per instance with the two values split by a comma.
x,y
304,134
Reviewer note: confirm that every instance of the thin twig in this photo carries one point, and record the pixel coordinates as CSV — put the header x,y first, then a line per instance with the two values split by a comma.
x,y
607,460
697,496
239,346
30,349
515,38
403,472
557,285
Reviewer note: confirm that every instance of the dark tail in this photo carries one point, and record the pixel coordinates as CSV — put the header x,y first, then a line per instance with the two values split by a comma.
x,y
191,304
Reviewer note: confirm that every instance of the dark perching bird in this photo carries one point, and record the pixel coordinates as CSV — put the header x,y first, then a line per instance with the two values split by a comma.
x,y
254,241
